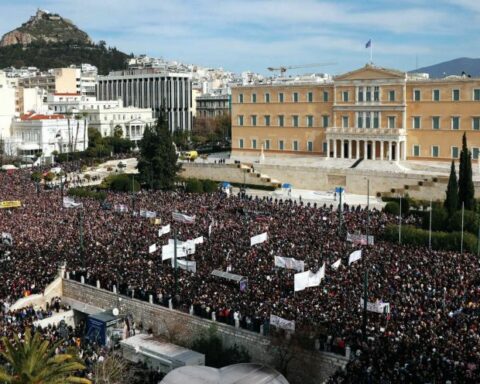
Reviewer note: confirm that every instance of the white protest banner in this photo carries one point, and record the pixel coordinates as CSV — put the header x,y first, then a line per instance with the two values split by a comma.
x,y
308,279
164,230
187,247
258,239
187,265
360,239
378,306
148,214
120,208
68,202
282,323
321,272
182,218
152,248
289,263
355,256
198,240
168,252
336,264
7,238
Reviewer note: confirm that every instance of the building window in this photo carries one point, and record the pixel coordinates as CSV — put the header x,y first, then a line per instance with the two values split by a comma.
x,y
454,152
267,120
254,120
254,97
281,145
310,97
310,146
375,120
455,122
280,97
368,94
267,97
295,97
345,121
325,121
254,143
240,143
436,95
240,98
456,95
360,121
360,94
367,120
295,121
476,94
391,95
295,145
416,122
416,150
345,96
325,96
376,93
475,152
391,122
280,121
309,121
267,144
476,123
435,151
417,95
240,120
435,122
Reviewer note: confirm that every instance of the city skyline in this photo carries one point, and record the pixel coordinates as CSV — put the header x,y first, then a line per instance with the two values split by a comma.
x,y
253,35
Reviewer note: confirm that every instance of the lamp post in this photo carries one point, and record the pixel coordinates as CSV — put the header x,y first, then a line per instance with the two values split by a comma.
x,y
365,300
400,221
368,210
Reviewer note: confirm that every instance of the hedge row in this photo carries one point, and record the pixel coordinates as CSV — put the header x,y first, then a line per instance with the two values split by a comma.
x,y
440,240
200,186
87,192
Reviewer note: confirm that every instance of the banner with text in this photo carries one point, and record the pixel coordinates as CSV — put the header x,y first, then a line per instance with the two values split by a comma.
x,y
289,263
282,323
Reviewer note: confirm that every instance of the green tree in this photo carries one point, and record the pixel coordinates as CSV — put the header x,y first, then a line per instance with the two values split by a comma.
x,y
466,190
34,361
158,160
451,201
36,177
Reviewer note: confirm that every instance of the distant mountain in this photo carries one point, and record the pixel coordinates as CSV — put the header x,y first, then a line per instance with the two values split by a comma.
x,y
47,28
49,41
453,67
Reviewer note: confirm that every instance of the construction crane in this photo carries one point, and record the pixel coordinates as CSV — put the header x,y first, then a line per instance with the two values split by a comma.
x,y
284,69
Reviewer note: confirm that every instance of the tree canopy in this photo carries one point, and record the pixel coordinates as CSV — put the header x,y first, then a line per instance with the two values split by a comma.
x,y
451,201
466,190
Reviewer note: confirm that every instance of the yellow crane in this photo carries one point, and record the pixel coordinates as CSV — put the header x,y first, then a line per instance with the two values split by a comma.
x,y
282,69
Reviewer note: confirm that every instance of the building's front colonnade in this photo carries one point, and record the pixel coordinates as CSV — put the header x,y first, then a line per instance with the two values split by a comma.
x,y
371,149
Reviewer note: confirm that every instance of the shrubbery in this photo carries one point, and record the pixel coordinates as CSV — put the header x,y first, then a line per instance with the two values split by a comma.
x,y
87,192
440,240
121,183
200,186
392,207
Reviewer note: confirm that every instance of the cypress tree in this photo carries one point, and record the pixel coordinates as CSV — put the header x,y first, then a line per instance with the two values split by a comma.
x,y
466,190
157,164
451,201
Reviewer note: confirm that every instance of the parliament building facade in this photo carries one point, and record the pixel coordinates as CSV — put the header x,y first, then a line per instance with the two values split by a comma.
x,y
371,113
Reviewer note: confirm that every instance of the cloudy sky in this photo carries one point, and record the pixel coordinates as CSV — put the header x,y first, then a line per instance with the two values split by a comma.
x,y
255,34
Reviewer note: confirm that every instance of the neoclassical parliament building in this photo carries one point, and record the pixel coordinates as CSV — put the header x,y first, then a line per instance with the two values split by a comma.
x,y
371,113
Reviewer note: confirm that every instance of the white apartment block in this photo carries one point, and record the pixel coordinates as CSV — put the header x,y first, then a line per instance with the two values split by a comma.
x,y
152,88
7,105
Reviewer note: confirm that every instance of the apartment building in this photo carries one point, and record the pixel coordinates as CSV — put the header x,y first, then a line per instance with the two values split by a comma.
x,y
370,113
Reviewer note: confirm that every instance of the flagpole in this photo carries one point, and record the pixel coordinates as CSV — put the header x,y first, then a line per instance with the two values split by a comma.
x,y
365,298
400,222
371,52
175,258
463,213
430,228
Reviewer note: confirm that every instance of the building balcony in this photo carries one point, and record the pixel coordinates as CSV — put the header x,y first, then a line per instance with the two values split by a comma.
x,y
355,131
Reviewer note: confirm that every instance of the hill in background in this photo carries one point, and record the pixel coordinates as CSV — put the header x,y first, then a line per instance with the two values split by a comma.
x,y
453,67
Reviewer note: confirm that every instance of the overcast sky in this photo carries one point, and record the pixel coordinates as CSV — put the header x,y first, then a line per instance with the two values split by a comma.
x,y
254,34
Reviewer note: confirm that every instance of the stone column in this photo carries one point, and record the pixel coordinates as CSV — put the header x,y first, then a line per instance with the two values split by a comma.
x,y
397,152
365,149
389,150
350,149
335,148
357,154
404,150
374,150
381,149
342,149
328,148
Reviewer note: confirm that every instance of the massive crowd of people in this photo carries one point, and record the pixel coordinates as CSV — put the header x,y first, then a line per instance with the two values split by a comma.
x,y
430,335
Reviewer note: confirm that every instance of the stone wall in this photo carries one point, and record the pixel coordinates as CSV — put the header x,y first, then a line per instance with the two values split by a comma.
x,y
166,321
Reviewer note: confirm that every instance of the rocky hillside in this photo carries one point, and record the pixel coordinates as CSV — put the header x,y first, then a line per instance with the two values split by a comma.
x,y
45,27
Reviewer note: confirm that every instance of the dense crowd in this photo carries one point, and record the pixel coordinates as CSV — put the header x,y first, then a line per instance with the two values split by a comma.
x,y
430,335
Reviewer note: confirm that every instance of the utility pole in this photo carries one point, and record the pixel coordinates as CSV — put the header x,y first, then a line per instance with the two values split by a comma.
x,y
133,194
368,209
365,300
463,216
175,260
430,228
400,222
340,215
82,253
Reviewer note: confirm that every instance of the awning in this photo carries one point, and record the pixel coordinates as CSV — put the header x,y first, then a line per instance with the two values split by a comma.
x,y
287,185
29,147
